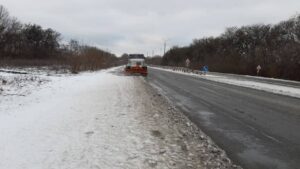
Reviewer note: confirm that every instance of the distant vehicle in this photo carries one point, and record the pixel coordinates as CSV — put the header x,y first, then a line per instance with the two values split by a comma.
x,y
136,65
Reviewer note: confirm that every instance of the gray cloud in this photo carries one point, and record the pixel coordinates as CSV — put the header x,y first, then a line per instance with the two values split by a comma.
x,y
143,25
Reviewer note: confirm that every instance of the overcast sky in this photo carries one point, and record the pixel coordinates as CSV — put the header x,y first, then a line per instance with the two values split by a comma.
x,y
141,26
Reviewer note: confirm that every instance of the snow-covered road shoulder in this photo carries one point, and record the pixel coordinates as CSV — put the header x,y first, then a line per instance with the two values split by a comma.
x,y
100,120
292,91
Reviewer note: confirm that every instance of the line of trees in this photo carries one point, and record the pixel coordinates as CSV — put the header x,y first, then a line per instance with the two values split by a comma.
x,y
30,44
240,50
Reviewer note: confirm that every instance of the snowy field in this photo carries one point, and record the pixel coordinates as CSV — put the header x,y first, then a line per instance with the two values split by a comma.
x,y
101,120
273,88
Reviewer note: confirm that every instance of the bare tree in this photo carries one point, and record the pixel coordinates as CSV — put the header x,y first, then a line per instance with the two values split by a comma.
x,y
239,50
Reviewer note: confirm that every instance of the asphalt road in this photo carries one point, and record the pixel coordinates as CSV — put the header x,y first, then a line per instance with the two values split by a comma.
x,y
257,129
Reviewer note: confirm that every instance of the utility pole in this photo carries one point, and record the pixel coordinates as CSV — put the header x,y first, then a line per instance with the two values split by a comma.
x,y
152,53
165,46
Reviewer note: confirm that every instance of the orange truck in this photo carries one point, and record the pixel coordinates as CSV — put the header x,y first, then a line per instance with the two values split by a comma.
x,y
136,65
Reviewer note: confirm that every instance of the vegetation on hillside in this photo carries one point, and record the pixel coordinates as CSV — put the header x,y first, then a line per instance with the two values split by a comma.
x,y
240,50
31,45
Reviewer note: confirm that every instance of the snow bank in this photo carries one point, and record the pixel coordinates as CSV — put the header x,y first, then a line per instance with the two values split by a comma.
x,y
67,124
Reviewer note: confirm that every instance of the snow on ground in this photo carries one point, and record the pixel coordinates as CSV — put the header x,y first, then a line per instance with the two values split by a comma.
x,y
273,88
100,120
19,84
81,122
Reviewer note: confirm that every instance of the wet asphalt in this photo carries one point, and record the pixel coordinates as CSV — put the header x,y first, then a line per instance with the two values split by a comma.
x,y
257,129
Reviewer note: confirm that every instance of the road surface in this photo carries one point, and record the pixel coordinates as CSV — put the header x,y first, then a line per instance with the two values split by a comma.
x,y
258,129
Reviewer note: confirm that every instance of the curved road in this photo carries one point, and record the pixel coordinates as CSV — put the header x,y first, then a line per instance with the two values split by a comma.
x,y
257,129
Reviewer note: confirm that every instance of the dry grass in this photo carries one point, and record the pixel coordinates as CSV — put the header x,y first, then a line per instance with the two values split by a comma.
x,y
74,64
